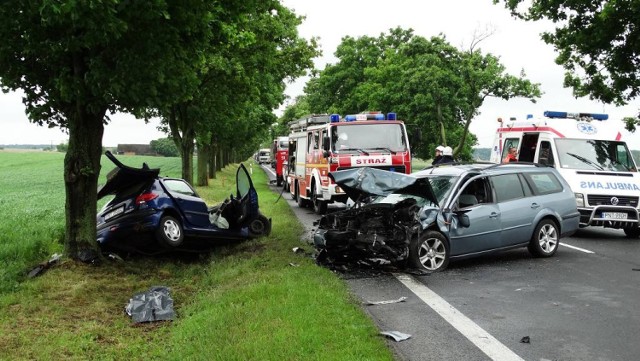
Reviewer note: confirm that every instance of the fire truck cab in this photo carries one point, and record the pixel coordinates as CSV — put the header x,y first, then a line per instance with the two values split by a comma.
x,y
319,144
589,154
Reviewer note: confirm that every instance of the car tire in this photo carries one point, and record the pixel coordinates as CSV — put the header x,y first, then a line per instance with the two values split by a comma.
x,y
170,232
320,207
632,232
545,239
259,226
429,252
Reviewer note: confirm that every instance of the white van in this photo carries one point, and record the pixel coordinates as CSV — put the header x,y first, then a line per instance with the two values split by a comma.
x,y
264,156
589,154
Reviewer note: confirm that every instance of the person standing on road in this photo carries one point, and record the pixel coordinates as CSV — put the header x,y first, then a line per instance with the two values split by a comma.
x,y
512,156
447,155
438,156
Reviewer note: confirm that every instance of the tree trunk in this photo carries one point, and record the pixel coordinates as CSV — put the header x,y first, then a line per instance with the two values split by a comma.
x,y
443,134
186,152
81,171
203,161
212,162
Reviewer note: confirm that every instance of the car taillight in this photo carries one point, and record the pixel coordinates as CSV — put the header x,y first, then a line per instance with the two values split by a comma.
x,y
145,197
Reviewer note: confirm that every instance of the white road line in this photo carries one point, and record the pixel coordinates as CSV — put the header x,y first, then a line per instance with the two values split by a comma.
x,y
268,169
479,337
576,248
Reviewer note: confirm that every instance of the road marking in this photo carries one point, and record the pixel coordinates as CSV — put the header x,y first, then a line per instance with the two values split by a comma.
x,y
268,169
576,248
479,337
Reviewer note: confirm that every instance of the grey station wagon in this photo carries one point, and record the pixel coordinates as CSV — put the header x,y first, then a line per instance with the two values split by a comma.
x,y
428,218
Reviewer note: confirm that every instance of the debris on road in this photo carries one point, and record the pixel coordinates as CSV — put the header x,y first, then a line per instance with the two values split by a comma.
x,y
153,305
386,302
397,336
525,339
42,267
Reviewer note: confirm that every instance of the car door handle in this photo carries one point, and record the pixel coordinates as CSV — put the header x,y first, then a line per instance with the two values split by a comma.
x,y
493,215
535,205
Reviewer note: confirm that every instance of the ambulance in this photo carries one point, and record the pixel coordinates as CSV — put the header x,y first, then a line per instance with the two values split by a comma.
x,y
589,153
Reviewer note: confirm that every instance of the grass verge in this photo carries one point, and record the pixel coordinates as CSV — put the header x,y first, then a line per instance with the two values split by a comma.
x,y
254,300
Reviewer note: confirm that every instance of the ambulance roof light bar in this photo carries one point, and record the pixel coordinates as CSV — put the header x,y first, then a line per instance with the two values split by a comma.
x,y
588,116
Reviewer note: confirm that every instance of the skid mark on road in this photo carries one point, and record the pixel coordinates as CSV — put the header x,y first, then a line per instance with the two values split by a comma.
x,y
479,337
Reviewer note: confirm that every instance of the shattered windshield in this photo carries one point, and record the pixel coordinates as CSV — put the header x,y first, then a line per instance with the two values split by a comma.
x,y
368,137
599,155
442,186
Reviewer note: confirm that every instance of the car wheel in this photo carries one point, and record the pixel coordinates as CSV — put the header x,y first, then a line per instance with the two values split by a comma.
x,y
320,207
170,232
545,239
632,232
429,252
260,226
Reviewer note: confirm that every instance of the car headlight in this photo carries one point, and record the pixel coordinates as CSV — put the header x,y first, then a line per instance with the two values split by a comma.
x,y
579,199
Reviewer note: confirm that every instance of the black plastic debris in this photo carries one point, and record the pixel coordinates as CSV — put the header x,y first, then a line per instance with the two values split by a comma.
x,y
385,302
635,269
525,339
153,305
42,267
397,336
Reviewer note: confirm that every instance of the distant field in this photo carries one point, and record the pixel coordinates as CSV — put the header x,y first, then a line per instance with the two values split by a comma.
x,y
32,201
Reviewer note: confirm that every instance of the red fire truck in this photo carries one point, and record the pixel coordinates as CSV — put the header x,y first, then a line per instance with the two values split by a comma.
x,y
319,144
279,157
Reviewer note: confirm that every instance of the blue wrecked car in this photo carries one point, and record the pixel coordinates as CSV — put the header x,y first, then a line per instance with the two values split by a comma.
x,y
149,213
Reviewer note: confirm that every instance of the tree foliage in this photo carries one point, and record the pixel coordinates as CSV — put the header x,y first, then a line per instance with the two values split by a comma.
x,y
166,147
435,87
597,43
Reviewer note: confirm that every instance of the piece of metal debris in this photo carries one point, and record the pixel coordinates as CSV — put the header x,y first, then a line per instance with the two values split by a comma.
x,y
525,339
153,305
40,268
386,302
396,335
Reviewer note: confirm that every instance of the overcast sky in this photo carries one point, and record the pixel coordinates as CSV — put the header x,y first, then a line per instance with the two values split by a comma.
x,y
516,42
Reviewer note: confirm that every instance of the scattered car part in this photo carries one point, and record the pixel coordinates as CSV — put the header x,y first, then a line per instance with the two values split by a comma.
x,y
397,336
153,305
386,302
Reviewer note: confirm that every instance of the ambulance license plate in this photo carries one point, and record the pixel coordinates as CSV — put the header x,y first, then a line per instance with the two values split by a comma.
x,y
614,215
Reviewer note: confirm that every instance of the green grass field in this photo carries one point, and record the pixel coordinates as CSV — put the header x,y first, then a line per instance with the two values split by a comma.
x,y
239,302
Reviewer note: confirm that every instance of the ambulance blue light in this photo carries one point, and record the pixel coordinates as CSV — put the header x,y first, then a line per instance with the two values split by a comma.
x,y
391,116
379,116
349,118
335,118
596,116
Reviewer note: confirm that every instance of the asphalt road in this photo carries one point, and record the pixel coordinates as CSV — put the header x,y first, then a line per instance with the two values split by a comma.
x,y
581,304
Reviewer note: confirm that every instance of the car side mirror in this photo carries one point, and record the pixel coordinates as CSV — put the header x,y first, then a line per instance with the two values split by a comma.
x,y
463,220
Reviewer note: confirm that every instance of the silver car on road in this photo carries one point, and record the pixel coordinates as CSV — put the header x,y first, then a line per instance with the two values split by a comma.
x,y
442,213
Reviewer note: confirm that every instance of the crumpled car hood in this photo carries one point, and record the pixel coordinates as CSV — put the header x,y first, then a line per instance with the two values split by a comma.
x,y
123,176
364,182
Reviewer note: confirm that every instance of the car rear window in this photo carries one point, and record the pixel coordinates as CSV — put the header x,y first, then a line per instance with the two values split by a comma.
x,y
178,186
543,183
507,187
